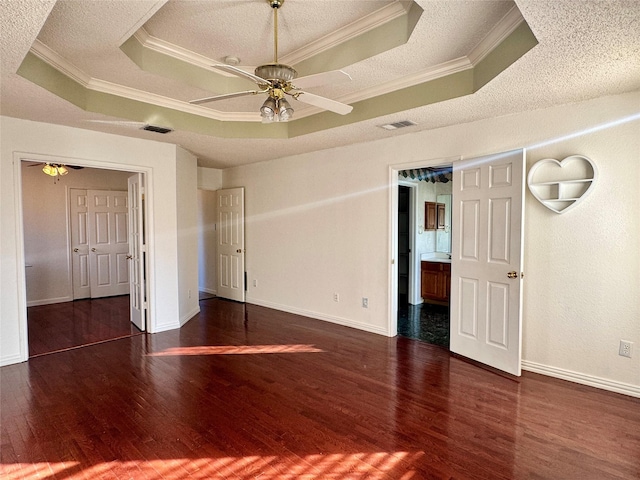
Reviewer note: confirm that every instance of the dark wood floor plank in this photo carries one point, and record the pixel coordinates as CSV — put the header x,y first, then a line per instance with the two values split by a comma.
x,y
244,392
61,326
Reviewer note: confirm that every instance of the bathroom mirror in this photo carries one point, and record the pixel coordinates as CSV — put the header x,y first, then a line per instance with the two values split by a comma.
x,y
443,236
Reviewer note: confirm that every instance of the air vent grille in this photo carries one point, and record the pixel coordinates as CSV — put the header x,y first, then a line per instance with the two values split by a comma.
x,y
154,128
397,125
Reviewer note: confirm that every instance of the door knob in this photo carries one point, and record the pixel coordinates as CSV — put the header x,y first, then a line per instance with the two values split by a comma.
x,y
93,249
239,250
512,274
75,250
129,257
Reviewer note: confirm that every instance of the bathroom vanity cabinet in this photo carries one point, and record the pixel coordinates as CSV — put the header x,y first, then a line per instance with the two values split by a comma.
x,y
435,282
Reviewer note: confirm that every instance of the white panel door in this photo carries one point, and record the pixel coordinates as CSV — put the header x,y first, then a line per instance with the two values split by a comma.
x,y
79,243
108,226
230,245
137,252
486,267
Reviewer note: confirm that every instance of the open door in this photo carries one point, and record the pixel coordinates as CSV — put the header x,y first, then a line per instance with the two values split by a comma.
x,y
487,252
137,252
230,206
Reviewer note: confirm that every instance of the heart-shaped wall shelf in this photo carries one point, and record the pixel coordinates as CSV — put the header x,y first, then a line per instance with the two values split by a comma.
x,y
561,185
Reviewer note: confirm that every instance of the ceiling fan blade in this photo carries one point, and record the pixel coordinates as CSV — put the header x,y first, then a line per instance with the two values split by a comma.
x,y
323,78
323,102
242,73
225,96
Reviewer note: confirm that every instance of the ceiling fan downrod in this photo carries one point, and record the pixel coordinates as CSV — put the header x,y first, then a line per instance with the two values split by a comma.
x,y
275,4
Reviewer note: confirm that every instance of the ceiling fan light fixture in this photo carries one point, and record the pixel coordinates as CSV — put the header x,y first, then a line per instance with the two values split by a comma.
x,y
54,169
49,170
285,110
268,110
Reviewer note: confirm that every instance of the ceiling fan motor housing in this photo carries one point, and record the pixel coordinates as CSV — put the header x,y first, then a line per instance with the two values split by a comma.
x,y
276,72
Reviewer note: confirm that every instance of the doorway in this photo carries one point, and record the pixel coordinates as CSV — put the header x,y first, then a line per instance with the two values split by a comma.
x,y
423,314
56,318
486,255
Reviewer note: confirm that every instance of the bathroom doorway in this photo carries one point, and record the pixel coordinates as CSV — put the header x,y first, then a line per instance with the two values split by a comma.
x,y
423,254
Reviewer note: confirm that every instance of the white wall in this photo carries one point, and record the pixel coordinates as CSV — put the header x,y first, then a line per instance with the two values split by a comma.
x,y
319,223
31,140
187,183
46,230
209,178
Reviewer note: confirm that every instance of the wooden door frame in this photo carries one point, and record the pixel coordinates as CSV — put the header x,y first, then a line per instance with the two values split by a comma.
x,y
392,278
18,158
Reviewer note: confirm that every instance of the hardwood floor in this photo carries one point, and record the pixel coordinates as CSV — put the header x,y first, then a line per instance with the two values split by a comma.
x,y
245,392
61,326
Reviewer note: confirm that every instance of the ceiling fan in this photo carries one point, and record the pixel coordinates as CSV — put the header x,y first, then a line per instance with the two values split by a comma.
x,y
277,80
56,169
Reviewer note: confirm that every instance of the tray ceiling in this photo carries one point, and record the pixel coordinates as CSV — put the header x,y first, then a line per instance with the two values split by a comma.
x,y
114,65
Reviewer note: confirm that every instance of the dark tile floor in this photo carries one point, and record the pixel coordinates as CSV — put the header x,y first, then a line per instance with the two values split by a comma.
x,y
426,322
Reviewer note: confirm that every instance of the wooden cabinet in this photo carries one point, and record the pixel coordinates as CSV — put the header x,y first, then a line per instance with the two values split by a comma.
x,y
436,282
434,216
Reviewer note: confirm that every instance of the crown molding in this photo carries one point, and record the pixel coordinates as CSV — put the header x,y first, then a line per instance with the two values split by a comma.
x,y
342,35
52,58
501,30
428,74
175,51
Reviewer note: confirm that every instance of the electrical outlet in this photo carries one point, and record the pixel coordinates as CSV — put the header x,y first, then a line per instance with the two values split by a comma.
x,y
336,297
365,302
625,348
255,282
189,293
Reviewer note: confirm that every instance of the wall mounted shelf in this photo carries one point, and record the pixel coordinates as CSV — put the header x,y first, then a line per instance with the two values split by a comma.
x,y
561,185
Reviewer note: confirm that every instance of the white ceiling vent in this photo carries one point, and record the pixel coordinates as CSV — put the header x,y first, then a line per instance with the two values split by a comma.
x,y
397,125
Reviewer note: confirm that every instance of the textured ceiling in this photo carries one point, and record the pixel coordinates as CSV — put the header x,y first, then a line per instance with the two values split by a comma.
x,y
586,49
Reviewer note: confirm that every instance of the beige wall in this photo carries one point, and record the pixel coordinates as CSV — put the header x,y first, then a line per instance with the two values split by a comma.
x,y
46,230
319,223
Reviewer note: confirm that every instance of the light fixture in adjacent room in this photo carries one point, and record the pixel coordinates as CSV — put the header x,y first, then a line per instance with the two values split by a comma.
x,y
55,169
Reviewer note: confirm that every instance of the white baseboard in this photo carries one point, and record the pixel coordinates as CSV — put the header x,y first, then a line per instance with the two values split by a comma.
x,y
582,378
188,316
320,316
11,359
212,291
49,301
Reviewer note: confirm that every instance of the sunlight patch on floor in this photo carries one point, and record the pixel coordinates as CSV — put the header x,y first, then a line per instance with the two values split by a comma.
x,y
375,465
235,350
